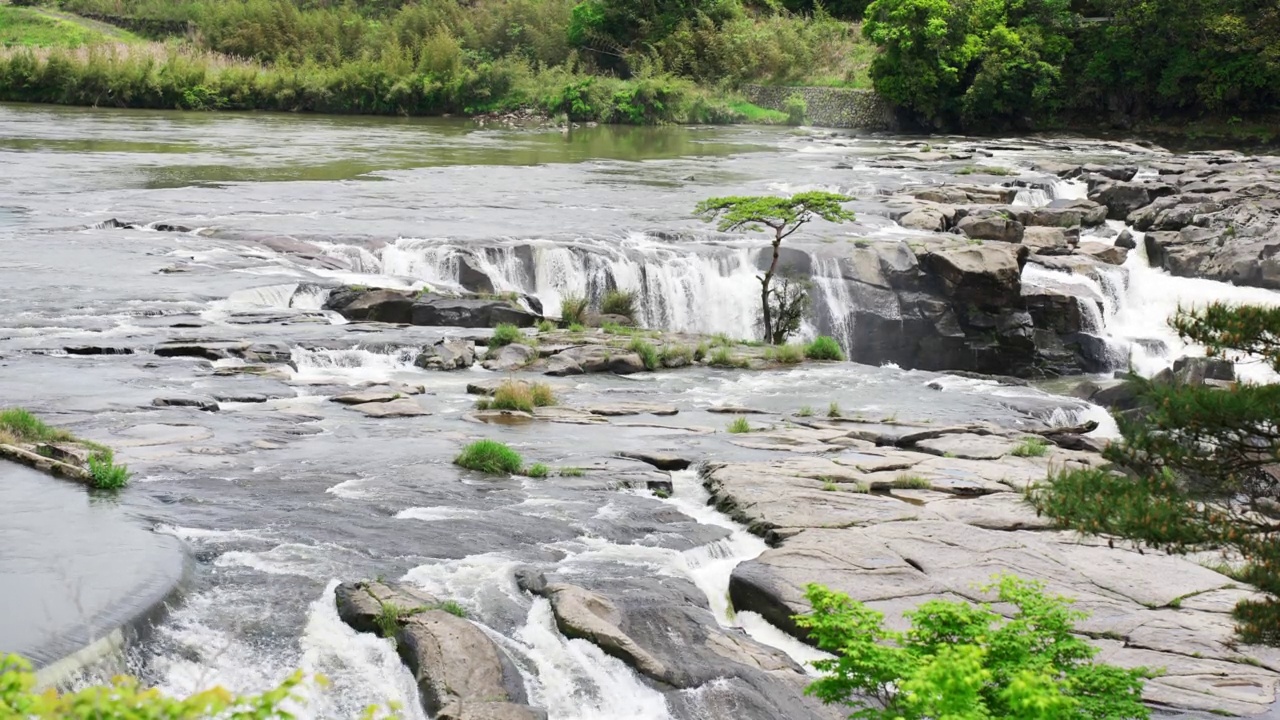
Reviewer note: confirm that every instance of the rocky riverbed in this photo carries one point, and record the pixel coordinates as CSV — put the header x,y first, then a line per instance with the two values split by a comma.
x,y
287,337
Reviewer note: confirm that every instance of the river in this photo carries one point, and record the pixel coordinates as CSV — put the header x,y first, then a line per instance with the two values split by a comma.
x,y
279,500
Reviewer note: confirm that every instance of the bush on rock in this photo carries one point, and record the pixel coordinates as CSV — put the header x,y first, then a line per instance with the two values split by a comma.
x,y
490,456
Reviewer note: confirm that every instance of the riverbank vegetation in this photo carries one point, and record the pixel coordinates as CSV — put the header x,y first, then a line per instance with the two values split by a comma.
x,y
21,429
1203,465
490,456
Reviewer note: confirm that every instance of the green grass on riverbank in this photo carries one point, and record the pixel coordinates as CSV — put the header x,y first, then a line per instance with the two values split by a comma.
x,y
26,27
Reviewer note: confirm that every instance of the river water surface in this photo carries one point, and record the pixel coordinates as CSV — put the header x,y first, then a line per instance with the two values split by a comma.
x,y
281,497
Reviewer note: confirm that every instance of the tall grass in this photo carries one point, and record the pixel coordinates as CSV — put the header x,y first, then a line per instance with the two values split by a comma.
x,y
489,456
521,396
823,348
23,426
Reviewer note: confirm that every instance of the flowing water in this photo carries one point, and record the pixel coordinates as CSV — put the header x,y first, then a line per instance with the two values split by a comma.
x,y
281,497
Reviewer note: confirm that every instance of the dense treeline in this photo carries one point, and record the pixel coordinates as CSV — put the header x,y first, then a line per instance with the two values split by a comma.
x,y
442,56
998,63
971,64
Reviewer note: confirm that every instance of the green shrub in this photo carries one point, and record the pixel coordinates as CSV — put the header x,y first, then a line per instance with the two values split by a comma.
x,y
490,456
804,411
721,357
577,327
572,472
546,326
573,311
537,470
105,474
673,355
739,425
619,302
505,334
125,697
796,109
788,354
965,662
823,348
521,396
1031,447
700,352
648,353
833,410
26,427
453,608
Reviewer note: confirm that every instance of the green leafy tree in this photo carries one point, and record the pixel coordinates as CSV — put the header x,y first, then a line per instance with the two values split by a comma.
x,y
961,661
973,62
783,216
1203,464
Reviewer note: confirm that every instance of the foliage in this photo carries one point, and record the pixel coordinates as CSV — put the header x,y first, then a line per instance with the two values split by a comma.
x,y
25,27
452,607
788,306
124,697
647,352
784,216
572,472
675,355
823,347
973,63
796,109
804,411
739,425
1031,447
755,115
490,456
505,334
1203,464
833,410
521,396
786,354
573,310
26,427
965,662
546,326
619,302
105,474
912,482
721,357
537,470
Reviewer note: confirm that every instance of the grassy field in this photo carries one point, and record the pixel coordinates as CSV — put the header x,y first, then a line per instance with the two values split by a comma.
x,y
32,27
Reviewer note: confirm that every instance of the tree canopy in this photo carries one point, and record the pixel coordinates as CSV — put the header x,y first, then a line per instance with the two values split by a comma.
x,y
784,215
1203,464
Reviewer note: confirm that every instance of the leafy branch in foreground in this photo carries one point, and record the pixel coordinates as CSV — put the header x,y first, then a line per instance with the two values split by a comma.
x,y
1204,464
961,661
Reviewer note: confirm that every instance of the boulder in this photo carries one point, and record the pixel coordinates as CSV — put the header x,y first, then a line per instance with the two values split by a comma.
x,y
632,408
1110,254
402,407
1062,213
447,355
440,310
662,461
590,358
983,275
206,349
198,403
1196,370
471,277
460,672
1048,240
366,396
379,305
991,227
924,218
1125,240
1122,198
626,364
561,364
509,357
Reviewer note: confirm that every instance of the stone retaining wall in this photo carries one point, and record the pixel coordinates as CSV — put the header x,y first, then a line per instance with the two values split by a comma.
x,y
830,107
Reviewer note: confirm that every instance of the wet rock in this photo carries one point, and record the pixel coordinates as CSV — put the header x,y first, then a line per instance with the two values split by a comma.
x,y
1197,370
1110,254
1048,241
737,410
439,310
626,364
984,274
1121,173
1125,240
1062,213
968,446
243,398
96,350
460,672
207,349
632,408
590,358
600,320
991,227
509,357
446,355
198,403
1057,309
963,194
366,396
662,461
403,407
924,218
391,306
561,365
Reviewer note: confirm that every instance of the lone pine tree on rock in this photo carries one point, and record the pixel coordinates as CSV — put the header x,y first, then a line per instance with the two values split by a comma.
x,y
783,215
1203,464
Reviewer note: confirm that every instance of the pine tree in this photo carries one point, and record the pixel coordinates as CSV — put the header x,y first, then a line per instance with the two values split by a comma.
x,y
1201,465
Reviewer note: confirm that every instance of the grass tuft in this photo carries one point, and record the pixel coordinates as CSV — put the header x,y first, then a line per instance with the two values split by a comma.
x,y
105,474
647,352
619,302
672,355
572,472
824,348
26,427
537,470
504,334
785,354
721,357
739,425
1031,447
913,482
546,326
520,396
573,311
833,410
490,456
805,411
